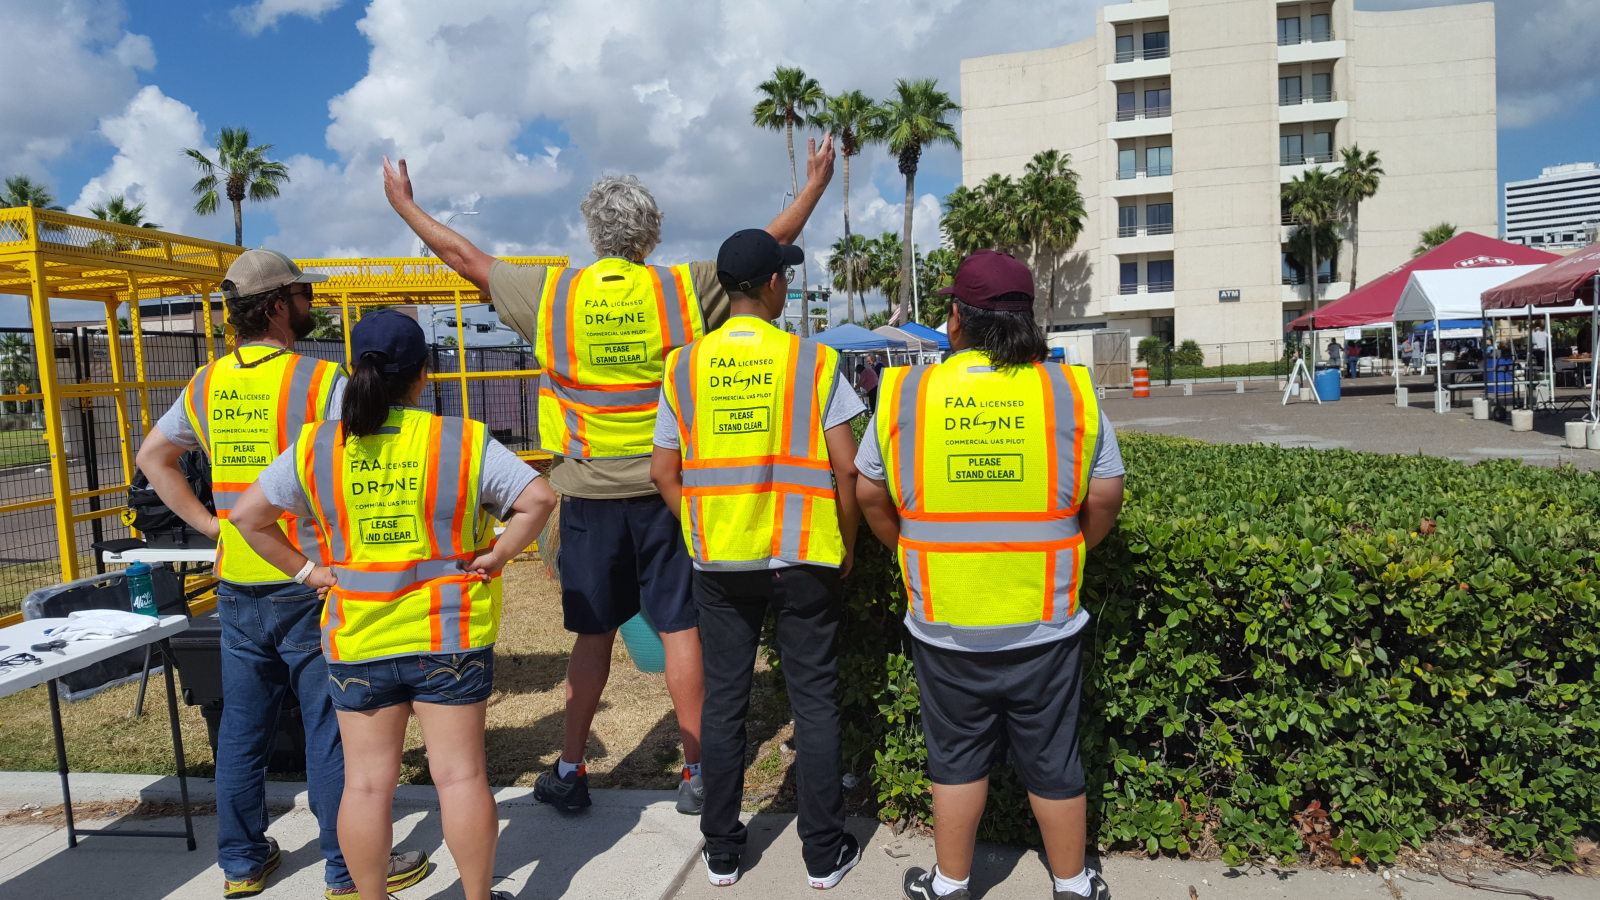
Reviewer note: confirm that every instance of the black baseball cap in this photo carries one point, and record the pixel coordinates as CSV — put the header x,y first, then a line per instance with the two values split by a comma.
x,y
751,257
394,335
988,275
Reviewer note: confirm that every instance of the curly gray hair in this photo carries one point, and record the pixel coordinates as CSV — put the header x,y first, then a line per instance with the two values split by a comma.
x,y
622,216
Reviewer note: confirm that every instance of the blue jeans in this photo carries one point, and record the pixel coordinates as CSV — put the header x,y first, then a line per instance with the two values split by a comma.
x,y
271,645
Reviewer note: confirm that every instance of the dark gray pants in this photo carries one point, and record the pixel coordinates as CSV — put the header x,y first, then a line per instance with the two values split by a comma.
x,y
733,605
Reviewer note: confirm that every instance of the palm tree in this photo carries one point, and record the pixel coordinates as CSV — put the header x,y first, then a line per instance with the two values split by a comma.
x,y
1358,177
1313,200
117,210
884,260
790,97
24,191
1433,237
847,115
912,119
937,270
1051,213
241,170
850,267
1327,240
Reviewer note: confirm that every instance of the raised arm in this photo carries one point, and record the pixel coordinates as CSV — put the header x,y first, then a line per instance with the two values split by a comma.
x,y
452,249
819,171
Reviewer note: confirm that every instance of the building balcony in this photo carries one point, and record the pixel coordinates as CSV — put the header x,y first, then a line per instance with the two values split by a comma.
x,y
1134,123
1132,240
1139,11
1311,47
1312,108
1305,37
1145,287
1292,167
1140,63
1140,184
1138,301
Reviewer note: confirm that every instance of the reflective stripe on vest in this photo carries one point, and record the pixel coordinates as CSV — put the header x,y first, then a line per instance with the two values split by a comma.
x,y
757,483
244,417
988,470
604,334
401,508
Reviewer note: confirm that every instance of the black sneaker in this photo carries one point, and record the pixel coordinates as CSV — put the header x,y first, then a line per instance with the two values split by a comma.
x,y
691,794
722,869
568,794
501,895
918,885
849,855
1097,890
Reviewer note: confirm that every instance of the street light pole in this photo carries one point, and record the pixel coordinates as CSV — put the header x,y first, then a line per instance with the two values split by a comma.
x,y
422,246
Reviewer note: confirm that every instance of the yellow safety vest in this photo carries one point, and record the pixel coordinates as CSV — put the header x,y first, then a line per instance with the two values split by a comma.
x,y
988,470
402,514
604,332
245,416
757,484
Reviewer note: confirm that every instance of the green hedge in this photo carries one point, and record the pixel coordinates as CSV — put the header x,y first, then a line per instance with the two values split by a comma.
x,y
1409,642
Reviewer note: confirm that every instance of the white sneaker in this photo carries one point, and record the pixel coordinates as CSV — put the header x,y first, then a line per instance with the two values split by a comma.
x,y
849,855
722,869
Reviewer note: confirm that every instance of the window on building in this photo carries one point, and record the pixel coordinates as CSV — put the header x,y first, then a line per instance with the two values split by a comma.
x,y
1163,327
1283,212
1158,218
1157,161
1125,165
1322,146
1158,103
1291,150
1155,45
1127,221
1289,90
1322,87
1321,27
1124,48
1291,270
1130,278
1125,110
1288,31
1159,276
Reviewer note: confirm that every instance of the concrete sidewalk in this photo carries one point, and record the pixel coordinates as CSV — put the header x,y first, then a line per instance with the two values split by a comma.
x,y
631,844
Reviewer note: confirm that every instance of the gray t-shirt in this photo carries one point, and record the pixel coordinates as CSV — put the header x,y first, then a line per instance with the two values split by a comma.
x,y
175,427
1107,464
502,480
843,405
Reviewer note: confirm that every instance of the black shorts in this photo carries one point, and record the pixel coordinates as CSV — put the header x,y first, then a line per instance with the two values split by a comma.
x,y
618,554
974,702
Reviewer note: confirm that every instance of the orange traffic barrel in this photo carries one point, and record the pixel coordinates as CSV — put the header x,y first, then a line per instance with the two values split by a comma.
x,y
1141,382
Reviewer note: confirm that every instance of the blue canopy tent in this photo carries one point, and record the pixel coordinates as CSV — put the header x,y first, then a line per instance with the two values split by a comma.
x,y
1474,324
928,334
847,338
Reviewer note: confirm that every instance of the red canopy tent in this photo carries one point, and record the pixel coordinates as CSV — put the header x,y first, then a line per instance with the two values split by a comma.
x,y
1565,282
1373,303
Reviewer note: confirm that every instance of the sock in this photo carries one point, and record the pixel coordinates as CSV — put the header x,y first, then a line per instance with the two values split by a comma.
x,y
943,885
694,769
564,768
1078,884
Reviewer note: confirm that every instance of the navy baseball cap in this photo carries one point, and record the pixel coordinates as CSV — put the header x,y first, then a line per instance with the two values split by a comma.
x,y
394,335
751,257
986,276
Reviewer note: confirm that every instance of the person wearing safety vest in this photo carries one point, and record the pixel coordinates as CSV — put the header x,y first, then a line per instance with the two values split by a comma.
x,y
407,501
991,475
753,453
242,411
601,334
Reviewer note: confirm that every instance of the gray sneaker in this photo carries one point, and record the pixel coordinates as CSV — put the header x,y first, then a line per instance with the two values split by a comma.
x,y
1097,890
691,794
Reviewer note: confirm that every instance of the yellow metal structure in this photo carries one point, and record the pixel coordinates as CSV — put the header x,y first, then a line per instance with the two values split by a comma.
x,y
46,254
405,281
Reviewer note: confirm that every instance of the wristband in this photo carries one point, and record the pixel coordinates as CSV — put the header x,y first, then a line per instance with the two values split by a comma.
x,y
304,572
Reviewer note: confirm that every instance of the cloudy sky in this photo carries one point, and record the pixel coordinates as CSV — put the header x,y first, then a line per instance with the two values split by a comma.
x,y
510,108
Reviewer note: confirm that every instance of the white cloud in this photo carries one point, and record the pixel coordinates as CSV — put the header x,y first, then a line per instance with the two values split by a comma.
x,y
150,136
67,64
264,14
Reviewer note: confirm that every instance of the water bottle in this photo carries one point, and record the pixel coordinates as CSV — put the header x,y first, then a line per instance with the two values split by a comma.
x,y
141,593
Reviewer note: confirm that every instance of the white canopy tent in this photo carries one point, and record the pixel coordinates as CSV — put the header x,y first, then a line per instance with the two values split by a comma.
x,y
1442,294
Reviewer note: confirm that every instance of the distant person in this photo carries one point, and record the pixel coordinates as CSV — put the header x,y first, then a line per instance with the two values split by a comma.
x,y
621,547
869,387
1418,350
1353,353
1541,341
1335,354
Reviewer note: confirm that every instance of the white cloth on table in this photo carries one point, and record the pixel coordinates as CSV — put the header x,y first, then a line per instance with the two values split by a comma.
x,y
102,625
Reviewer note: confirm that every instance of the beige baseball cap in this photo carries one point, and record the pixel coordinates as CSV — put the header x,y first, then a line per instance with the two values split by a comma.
x,y
259,271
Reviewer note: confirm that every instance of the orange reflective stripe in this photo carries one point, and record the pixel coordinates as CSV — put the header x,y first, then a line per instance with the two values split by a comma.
x,y
1049,585
917,471
572,321
777,515
726,490
430,488
700,517
927,587
286,395
661,306
1081,470
805,527
1052,463
998,547
338,491
728,462
683,303
463,491
785,429
1044,516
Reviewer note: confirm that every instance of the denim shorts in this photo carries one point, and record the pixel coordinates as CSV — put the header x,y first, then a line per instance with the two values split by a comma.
x,y
445,679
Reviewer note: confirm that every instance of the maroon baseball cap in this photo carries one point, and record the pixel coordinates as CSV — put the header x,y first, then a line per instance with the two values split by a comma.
x,y
988,275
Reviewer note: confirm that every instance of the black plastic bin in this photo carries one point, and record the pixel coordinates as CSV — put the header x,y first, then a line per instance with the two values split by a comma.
x,y
199,657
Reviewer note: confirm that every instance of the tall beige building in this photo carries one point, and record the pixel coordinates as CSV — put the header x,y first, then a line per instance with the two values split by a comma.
x,y
1185,118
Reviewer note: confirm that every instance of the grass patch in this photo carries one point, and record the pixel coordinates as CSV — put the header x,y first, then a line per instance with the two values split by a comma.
x,y
18,448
